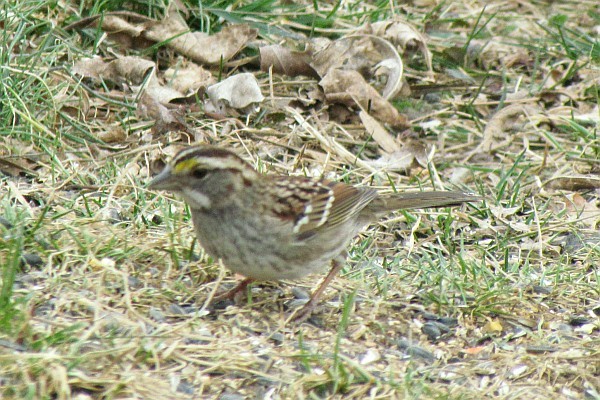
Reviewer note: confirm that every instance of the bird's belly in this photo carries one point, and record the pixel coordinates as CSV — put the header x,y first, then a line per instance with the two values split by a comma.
x,y
267,264
259,254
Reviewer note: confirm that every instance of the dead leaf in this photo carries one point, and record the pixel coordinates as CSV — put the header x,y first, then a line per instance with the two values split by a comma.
x,y
584,210
199,46
132,30
402,34
239,91
473,350
14,166
495,52
496,133
574,183
379,133
115,134
165,119
400,160
285,61
350,88
188,79
124,69
371,56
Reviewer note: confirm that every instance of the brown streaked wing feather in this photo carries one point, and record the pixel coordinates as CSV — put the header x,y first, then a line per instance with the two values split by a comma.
x,y
315,206
349,201
305,201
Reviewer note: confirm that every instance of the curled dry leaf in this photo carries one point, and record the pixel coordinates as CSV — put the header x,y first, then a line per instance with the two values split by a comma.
x,y
198,46
401,34
381,136
161,93
133,30
574,183
124,69
182,82
113,135
370,55
284,61
350,88
495,135
165,120
493,53
188,79
238,91
581,209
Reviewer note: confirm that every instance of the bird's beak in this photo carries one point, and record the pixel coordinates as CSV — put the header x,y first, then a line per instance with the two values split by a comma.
x,y
163,181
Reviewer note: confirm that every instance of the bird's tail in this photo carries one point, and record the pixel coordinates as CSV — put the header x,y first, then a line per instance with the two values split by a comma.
x,y
399,201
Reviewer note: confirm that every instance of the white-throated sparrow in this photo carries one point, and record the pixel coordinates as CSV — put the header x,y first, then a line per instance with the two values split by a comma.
x,y
269,227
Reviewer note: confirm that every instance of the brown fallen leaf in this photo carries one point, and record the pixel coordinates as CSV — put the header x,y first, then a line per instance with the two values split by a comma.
x,y
373,57
402,34
383,138
472,351
113,135
130,69
496,133
165,119
581,209
350,88
199,46
189,78
240,92
574,183
285,61
132,30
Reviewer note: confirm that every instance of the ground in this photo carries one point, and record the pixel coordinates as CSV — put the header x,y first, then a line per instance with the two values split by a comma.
x,y
104,287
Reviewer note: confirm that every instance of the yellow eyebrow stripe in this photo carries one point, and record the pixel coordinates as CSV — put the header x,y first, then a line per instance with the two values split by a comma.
x,y
186,165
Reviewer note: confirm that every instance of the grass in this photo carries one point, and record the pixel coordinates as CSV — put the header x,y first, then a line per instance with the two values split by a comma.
x,y
103,285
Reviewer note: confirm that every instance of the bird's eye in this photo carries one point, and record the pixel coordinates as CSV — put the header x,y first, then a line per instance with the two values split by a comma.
x,y
199,173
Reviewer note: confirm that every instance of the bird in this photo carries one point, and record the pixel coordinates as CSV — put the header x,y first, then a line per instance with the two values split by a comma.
x,y
273,227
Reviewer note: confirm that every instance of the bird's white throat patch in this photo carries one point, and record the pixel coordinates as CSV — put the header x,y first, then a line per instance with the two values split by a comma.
x,y
195,199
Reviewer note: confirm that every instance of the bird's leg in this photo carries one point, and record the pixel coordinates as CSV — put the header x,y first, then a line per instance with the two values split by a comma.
x,y
305,312
230,294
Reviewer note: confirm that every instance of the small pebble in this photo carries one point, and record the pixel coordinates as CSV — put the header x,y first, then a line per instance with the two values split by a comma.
x,y
185,387
431,330
517,371
33,260
300,294
176,309
4,222
277,337
448,321
134,282
232,396
540,349
156,315
579,320
541,289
